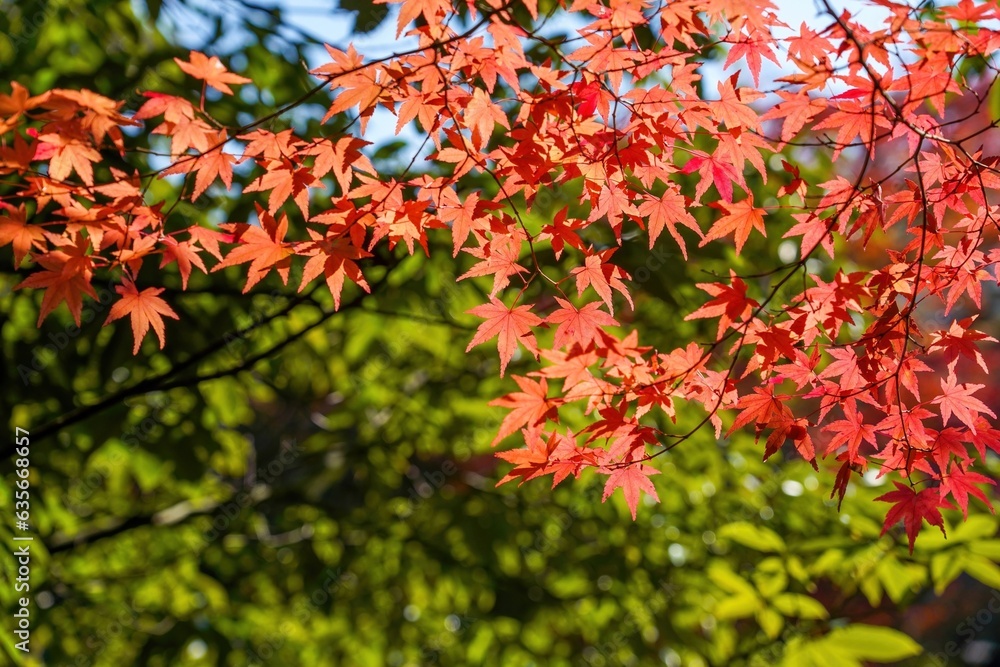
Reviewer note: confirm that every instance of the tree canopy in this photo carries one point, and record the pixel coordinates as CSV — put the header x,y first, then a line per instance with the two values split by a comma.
x,y
269,308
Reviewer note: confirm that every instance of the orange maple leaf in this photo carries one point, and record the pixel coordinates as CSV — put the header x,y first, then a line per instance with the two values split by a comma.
x,y
14,229
528,408
211,71
66,278
212,164
145,308
740,218
263,246
334,258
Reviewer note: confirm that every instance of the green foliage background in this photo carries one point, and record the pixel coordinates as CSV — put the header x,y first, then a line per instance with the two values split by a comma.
x,y
285,486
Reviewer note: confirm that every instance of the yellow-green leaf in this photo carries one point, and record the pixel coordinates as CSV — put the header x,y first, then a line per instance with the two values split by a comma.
x,y
755,537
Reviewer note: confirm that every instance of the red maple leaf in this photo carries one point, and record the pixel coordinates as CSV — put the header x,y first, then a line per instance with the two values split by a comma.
x,y
632,479
666,212
760,407
212,164
751,47
718,172
729,305
509,324
531,460
66,278
598,273
961,483
851,431
796,109
912,508
185,253
957,399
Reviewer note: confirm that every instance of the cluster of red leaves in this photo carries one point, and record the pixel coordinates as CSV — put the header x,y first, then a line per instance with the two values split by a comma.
x,y
831,371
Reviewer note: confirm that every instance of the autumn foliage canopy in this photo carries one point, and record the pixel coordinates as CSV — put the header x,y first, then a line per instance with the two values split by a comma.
x,y
876,369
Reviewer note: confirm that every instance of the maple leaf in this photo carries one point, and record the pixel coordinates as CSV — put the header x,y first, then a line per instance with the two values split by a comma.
x,y
718,172
529,407
209,239
760,407
499,258
851,431
632,479
530,461
360,84
481,115
15,230
284,182
273,147
602,276
729,305
342,158
68,154
146,309
173,109
557,455
211,71
852,121
465,217
334,258
19,101
960,341
509,324
751,47
264,247
563,233
667,212
210,165
411,9
66,278
912,508
732,108
185,254
578,325
796,109
740,218
961,483
957,399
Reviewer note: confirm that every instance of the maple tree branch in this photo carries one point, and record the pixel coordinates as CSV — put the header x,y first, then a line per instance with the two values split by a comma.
x,y
151,383
252,360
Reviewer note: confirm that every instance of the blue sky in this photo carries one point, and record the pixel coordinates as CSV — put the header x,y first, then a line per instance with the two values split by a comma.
x,y
322,20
